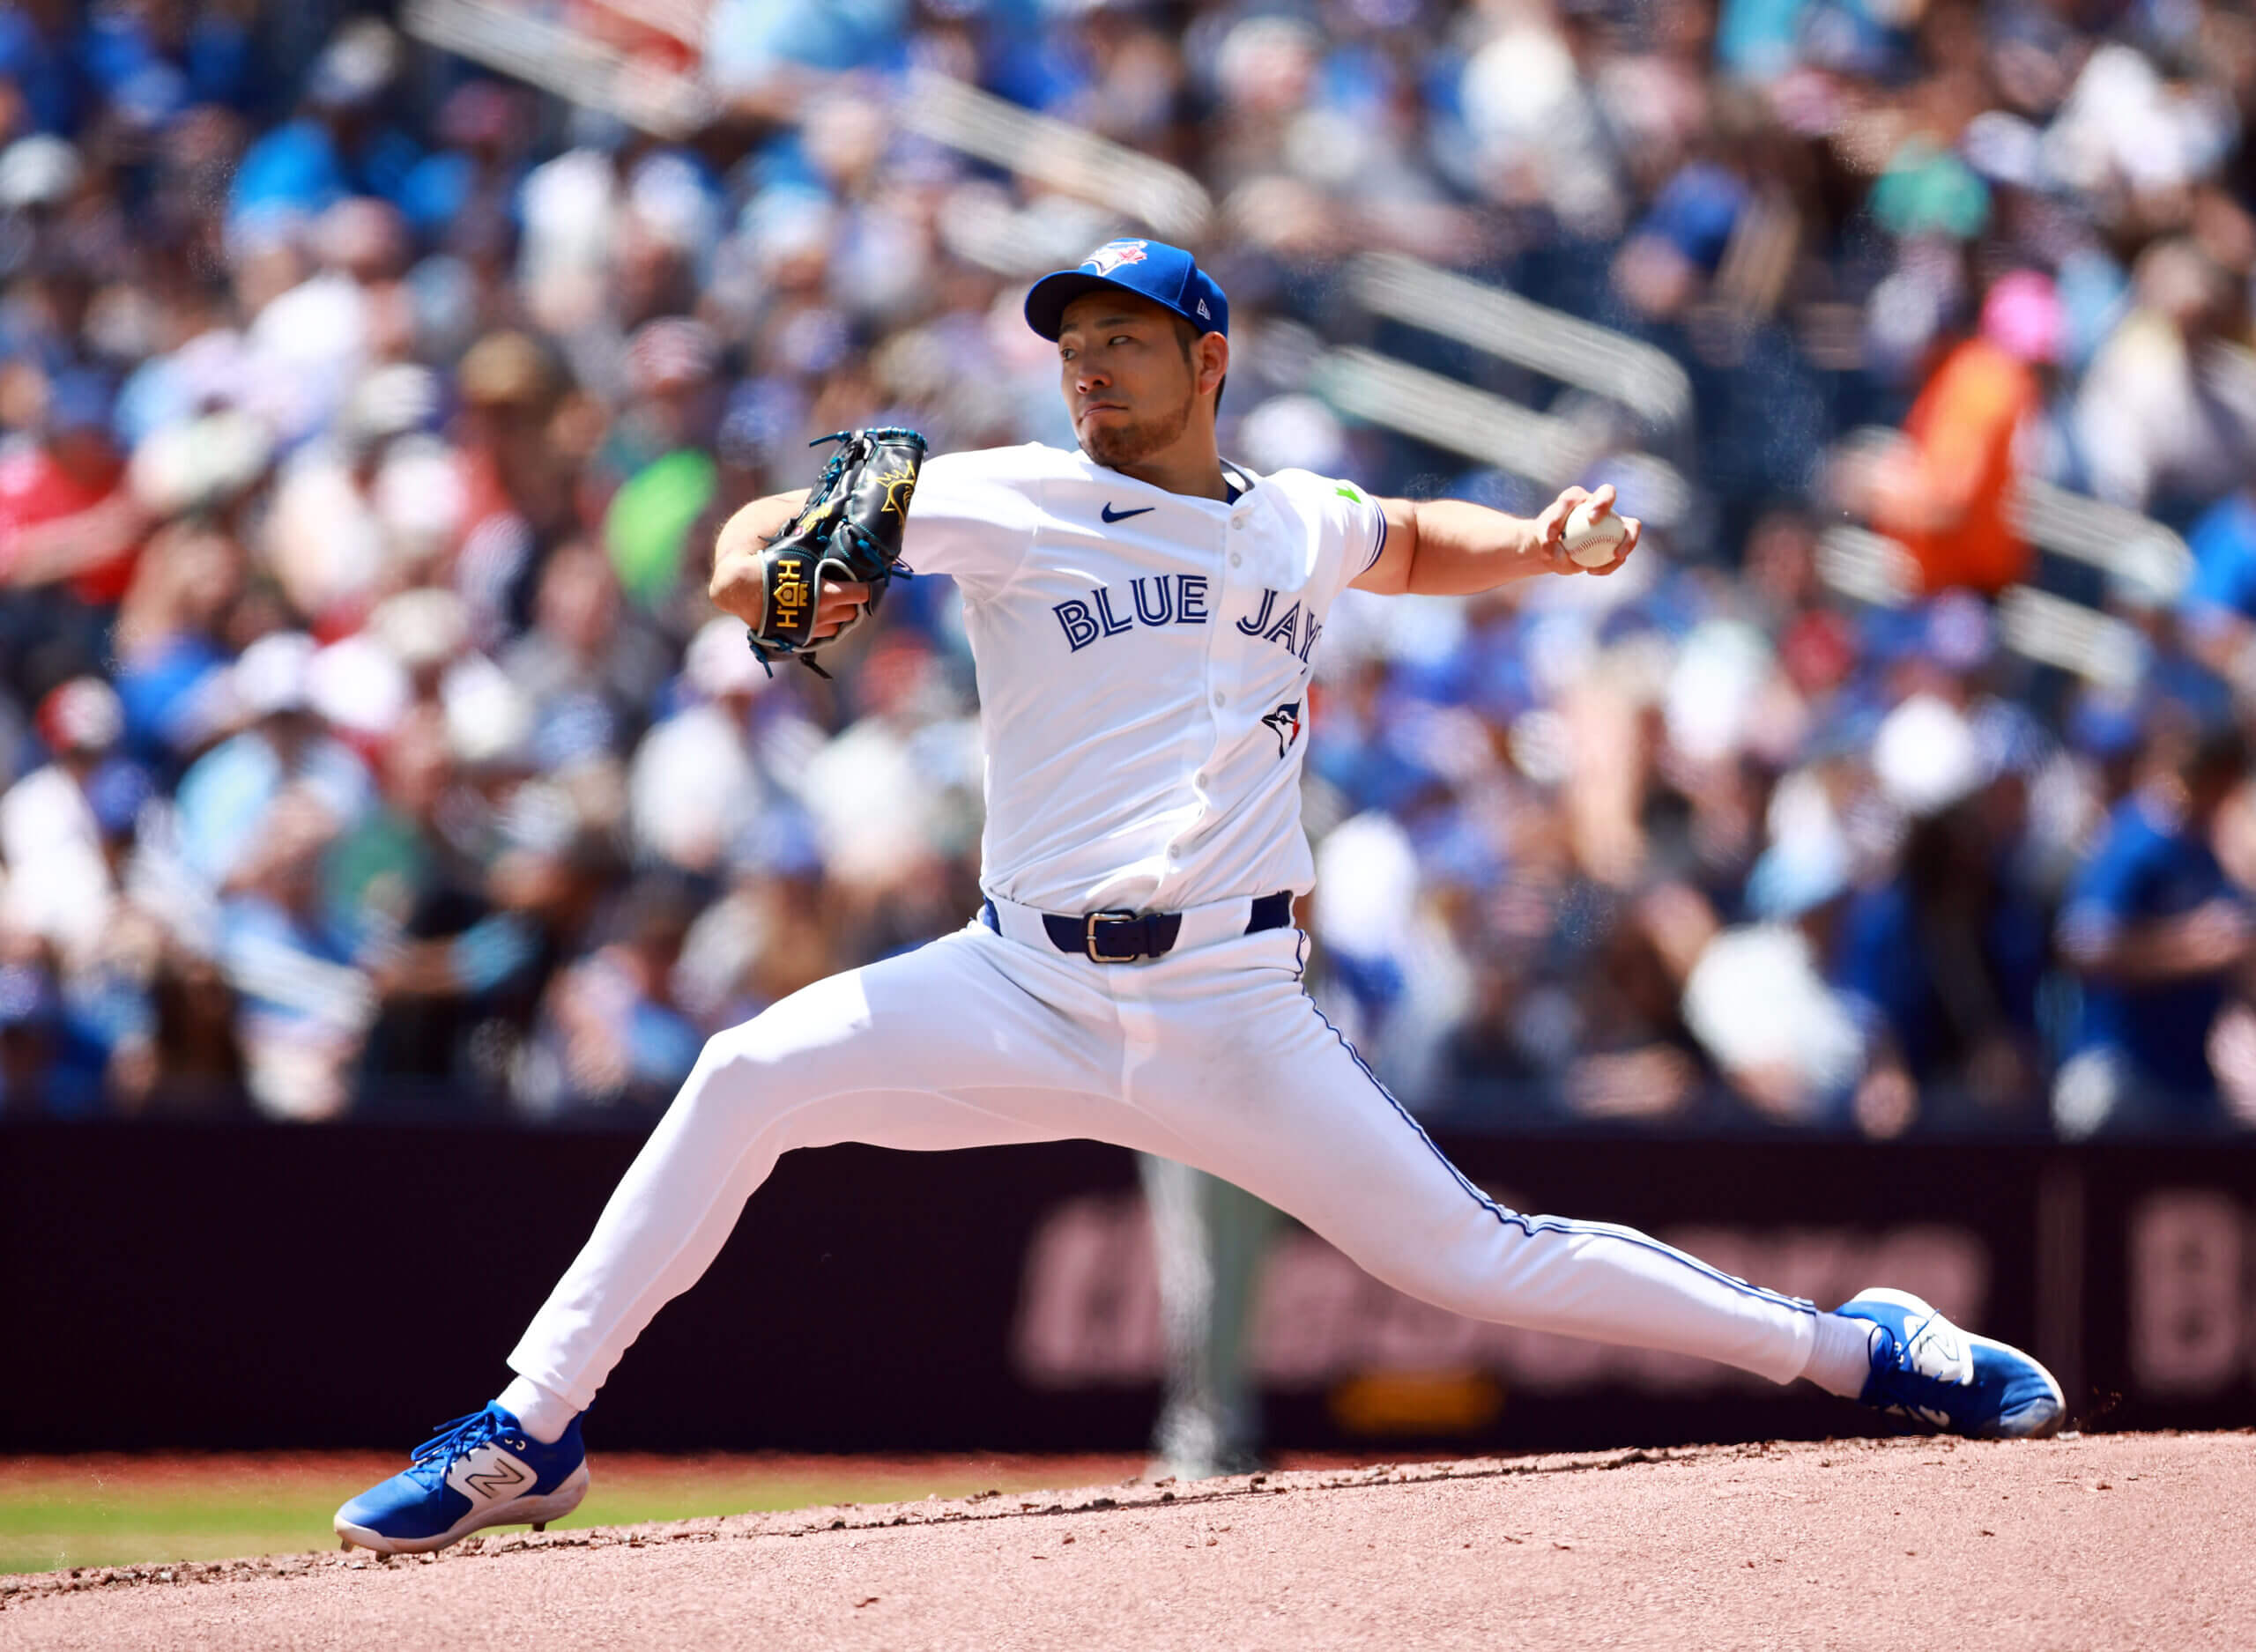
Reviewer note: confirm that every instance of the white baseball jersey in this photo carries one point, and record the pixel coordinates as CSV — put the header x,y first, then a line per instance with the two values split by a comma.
x,y
1144,661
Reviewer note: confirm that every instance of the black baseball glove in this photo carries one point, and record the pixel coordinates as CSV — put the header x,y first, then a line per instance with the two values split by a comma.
x,y
849,529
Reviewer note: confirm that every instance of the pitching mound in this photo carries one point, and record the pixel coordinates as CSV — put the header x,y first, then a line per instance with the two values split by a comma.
x,y
2125,1540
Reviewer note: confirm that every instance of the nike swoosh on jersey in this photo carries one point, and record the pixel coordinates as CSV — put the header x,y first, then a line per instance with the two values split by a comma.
x,y
1111,515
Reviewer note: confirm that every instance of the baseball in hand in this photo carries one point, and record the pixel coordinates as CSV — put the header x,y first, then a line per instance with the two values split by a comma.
x,y
1589,541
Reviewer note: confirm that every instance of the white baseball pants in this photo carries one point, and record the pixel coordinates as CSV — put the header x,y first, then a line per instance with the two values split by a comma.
x,y
1216,1057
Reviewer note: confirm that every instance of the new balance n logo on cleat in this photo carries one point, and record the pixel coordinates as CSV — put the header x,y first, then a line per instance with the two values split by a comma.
x,y
491,1474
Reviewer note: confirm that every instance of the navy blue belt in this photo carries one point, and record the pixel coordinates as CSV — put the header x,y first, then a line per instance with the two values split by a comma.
x,y
1125,937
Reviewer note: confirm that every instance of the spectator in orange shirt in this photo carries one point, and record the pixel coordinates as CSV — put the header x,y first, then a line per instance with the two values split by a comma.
x,y
1947,493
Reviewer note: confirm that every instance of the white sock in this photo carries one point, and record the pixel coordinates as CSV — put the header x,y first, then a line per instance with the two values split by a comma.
x,y
1840,1358
545,1416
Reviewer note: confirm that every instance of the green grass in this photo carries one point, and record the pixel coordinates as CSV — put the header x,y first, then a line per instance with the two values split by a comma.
x,y
62,1512
47,1533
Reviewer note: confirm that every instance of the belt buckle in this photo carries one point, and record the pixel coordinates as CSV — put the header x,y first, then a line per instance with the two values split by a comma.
x,y
1089,936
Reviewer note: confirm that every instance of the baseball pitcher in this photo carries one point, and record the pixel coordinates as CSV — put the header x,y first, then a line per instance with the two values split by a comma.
x,y
1143,616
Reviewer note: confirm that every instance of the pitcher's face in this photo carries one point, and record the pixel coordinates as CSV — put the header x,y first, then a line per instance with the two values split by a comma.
x,y
1130,380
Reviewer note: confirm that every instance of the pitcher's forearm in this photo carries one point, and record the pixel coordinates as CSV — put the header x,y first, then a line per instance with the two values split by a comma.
x,y
1451,547
1462,548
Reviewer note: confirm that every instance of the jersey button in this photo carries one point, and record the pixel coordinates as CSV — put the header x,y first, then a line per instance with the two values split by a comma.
x,y
1174,853
1237,522
1236,559
1218,700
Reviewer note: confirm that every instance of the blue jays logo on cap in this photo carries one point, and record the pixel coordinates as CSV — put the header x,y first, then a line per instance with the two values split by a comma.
x,y
1167,275
1113,254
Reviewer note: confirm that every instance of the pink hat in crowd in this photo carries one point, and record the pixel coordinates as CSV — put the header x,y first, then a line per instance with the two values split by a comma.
x,y
2022,316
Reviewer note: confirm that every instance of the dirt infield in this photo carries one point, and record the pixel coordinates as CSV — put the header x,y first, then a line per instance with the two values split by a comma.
x,y
2125,1540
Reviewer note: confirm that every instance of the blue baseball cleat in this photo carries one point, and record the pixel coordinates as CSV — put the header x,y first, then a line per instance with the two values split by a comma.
x,y
479,1471
1926,1369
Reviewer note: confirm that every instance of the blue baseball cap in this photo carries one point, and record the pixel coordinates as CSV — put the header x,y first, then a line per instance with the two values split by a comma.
x,y
1167,275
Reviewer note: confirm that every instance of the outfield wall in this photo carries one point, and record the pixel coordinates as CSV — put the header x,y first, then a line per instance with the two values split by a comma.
x,y
262,1287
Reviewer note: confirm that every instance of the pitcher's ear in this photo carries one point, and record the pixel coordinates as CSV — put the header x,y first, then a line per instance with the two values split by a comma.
x,y
1214,358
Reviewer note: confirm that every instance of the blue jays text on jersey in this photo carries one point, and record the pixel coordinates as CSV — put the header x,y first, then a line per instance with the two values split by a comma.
x,y
1179,599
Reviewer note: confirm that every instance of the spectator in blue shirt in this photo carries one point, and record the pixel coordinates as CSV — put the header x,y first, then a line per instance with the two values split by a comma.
x,y
227,800
1947,953
303,1006
2218,606
339,144
2153,930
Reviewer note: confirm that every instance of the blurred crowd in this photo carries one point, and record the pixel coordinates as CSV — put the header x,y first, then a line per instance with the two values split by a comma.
x,y
366,745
